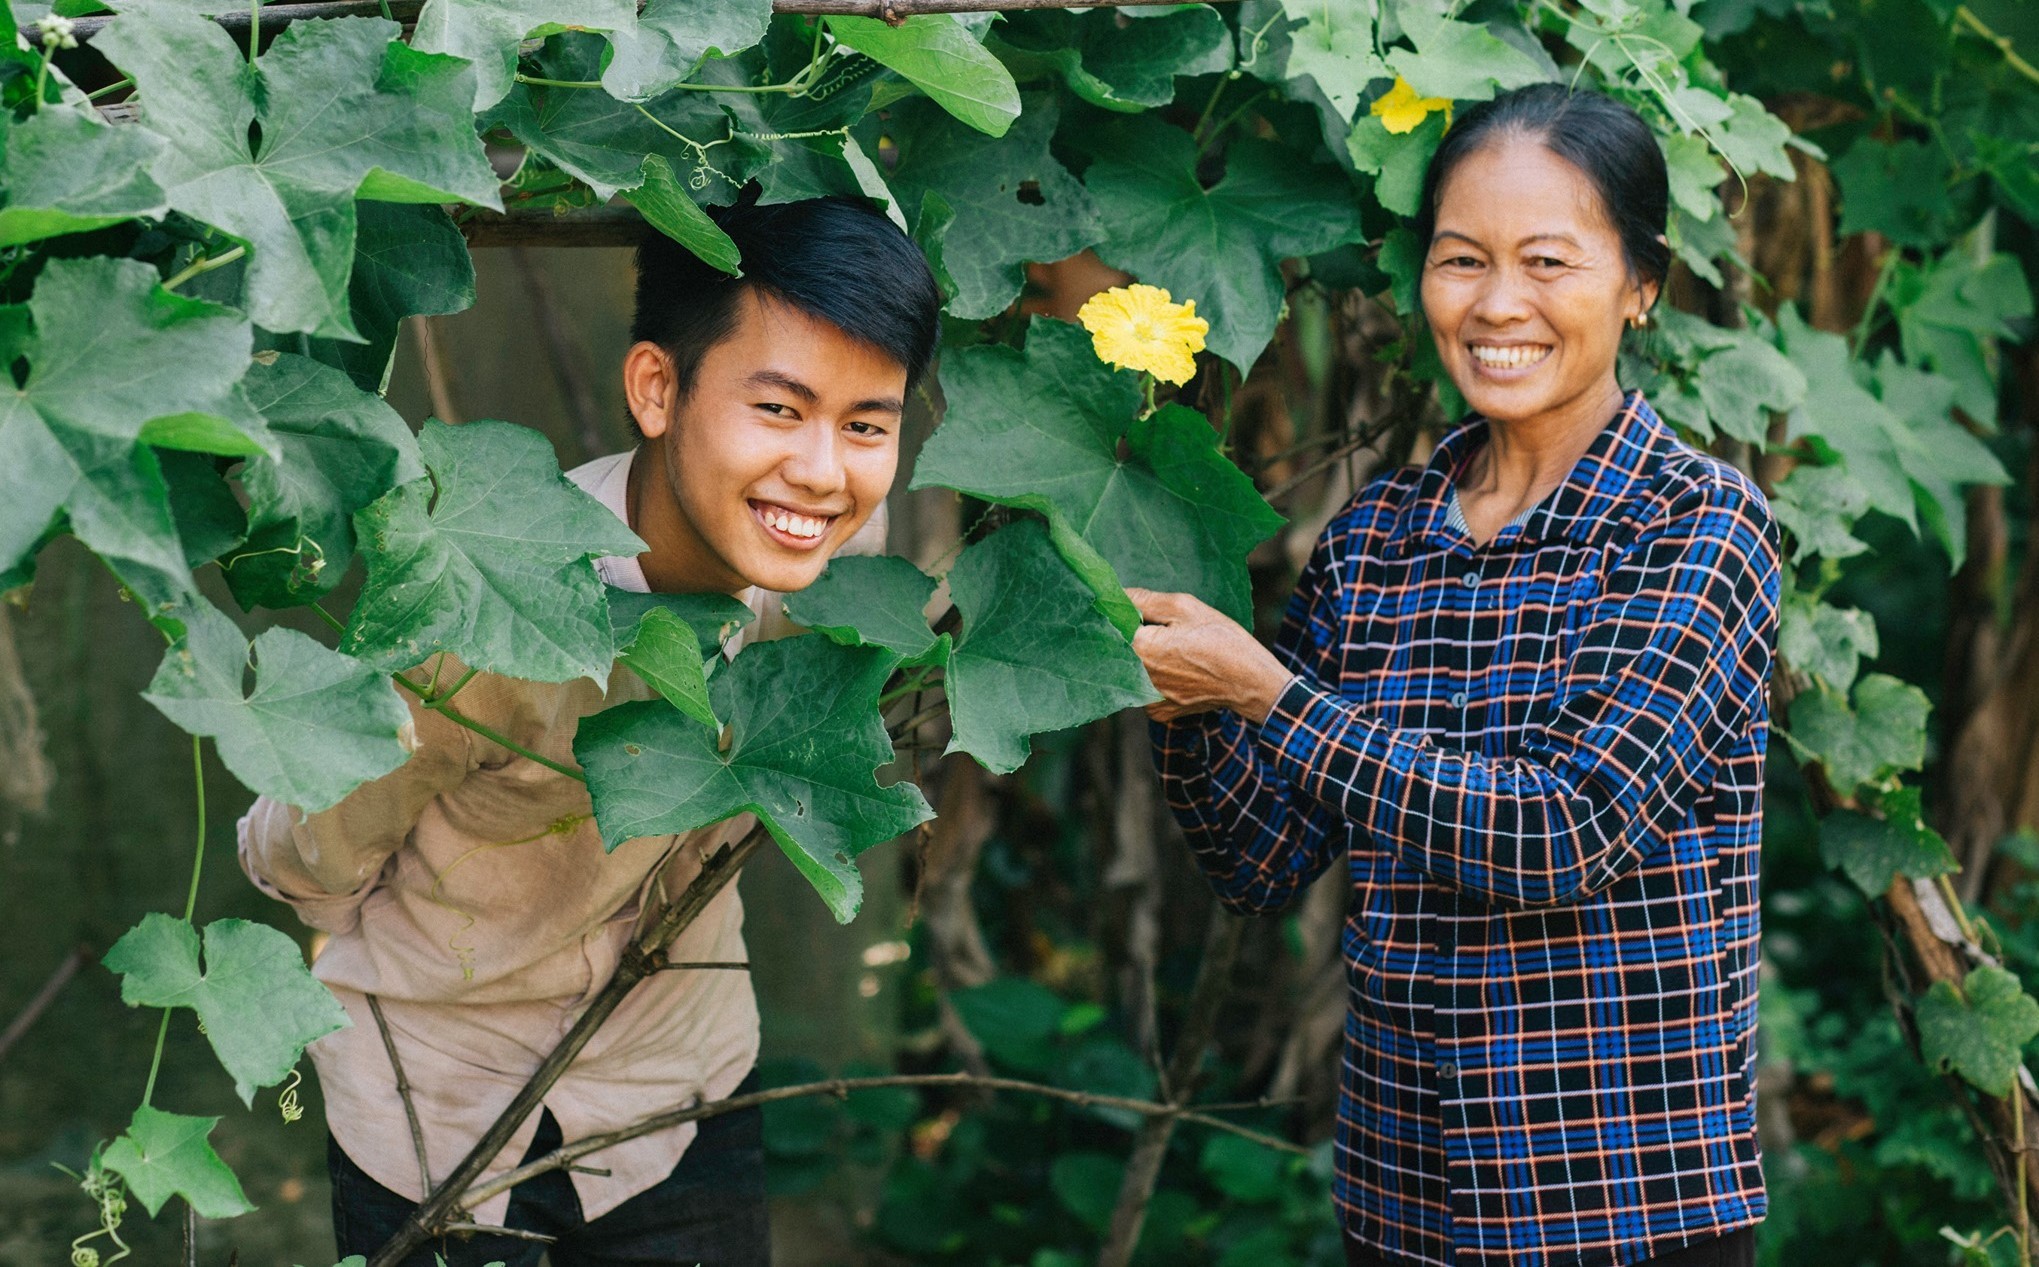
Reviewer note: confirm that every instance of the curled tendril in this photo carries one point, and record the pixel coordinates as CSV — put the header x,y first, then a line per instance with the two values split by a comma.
x,y
110,1196
286,1099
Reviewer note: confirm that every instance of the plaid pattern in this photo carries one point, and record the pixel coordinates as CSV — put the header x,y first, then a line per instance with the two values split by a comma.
x,y
1542,762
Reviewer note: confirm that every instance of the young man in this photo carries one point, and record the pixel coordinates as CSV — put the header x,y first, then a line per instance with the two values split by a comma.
x,y
467,894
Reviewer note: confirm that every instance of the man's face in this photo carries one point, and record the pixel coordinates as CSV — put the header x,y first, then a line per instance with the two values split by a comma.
x,y
786,444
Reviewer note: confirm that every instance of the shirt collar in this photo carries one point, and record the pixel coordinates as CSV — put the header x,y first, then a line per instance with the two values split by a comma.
x,y
1581,509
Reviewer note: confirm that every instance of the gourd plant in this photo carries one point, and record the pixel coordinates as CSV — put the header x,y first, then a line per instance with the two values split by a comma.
x,y
205,258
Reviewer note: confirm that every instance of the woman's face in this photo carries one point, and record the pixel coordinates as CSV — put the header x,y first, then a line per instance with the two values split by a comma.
x,y
1525,285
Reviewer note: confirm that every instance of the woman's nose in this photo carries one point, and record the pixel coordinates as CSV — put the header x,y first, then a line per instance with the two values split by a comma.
x,y
1503,297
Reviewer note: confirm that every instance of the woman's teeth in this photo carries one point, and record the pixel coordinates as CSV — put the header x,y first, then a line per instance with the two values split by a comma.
x,y
791,524
1510,358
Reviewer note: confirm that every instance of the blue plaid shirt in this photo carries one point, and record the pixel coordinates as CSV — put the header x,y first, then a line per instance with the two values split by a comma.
x,y
1541,762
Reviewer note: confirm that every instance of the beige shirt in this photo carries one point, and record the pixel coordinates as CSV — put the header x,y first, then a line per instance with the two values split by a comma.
x,y
468,890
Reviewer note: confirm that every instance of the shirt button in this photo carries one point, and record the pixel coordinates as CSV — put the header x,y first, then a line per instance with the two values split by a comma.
x,y
1458,699
1447,1072
1470,579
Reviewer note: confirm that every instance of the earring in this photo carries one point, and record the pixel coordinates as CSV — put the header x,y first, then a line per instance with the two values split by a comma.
x,y
1638,321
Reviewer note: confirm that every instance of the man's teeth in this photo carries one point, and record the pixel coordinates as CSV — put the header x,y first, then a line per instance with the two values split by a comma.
x,y
794,525
1510,358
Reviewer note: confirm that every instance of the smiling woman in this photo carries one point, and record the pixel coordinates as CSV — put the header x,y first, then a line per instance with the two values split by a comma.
x,y
1520,694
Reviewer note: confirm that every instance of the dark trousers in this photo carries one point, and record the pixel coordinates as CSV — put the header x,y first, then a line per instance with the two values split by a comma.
x,y
1735,1249
710,1210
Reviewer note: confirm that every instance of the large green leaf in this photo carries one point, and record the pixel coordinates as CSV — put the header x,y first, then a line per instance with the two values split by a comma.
x,y
487,32
714,618
1223,246
666,653
1979,1032
673,37
166,1155
669,209
1949,314
1870,851
1012,202
316,725
1127,67
259,1003
604,143
65,172
1041,428
116,362
1882,733
1745,382
275,157
408,260
1898,190
1335,47
872,601
938,55
1034,655
1818,506
1941,456
491,558
1458,61
338,449
1824,640
1846,417
803,738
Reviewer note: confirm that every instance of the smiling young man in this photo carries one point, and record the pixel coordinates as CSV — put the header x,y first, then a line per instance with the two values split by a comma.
x,y
470,907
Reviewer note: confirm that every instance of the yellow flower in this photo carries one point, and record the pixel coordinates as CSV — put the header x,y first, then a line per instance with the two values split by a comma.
x,y
1140,328
1400,110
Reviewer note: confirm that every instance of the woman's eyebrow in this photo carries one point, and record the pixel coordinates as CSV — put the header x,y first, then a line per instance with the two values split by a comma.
x,y
1564,238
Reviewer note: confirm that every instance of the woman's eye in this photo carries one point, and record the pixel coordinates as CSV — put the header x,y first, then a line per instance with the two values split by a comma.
x,y
1458,261
1548,261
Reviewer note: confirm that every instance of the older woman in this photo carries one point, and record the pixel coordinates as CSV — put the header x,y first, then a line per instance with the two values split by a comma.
x,y
1520,696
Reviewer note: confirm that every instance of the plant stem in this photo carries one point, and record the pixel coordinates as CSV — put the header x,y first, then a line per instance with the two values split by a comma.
x,y
190,905
1967,18
906,688
458,718
1866,326
339,626
110,89
254,29
203,264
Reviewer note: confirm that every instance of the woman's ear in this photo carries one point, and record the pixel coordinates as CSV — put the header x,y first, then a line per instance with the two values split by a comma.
x,y
649,388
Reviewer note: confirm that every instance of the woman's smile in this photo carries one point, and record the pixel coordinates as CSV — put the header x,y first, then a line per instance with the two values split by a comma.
x,y
1509,361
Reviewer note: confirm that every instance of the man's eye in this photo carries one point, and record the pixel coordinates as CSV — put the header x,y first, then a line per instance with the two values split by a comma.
x,y
773,407
866,428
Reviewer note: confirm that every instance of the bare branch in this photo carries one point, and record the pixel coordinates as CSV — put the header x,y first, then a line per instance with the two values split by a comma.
x,y
51,988
403,1090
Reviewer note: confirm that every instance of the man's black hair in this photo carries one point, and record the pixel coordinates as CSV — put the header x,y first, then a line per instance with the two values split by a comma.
x,y
832,258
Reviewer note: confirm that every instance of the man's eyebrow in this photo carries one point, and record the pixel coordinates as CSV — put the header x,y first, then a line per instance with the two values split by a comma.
x,y
784,382
879,405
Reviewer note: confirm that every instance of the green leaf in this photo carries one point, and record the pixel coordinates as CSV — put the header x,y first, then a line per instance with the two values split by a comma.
x,y
603,142
408,260
66,172
1754,140
1694,172
1223,246
1883,733
1979,1031
112,352
995,232
1947,315
258,1002
1826,641
1459,61
871,601
673,37
804,737
1088,1186
1818,505
666,653
1335,47
1242,1169
1124,68
1034,655
209,517
938,55
343,109
166,1155
1744,384
317,724
1870,851
1842,413
714,618
1897,190
1944,457
1041,429
487,32
338,449
1399,162
1017,1019
490,557
668,209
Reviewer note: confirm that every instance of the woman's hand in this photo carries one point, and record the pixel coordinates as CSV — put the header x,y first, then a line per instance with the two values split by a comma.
x,y
1200,659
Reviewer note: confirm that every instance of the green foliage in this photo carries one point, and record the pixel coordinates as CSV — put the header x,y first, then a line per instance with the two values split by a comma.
x,y
1871,851
863,601
666,653
938,55
489,556
1978,1031
258,1003
166,1155
66,172
1882,732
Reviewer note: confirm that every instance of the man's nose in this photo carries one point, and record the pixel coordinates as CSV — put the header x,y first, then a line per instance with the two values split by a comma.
x,y
815,462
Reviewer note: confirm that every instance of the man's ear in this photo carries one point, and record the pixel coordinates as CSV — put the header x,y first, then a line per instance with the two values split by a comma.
x,y
650,388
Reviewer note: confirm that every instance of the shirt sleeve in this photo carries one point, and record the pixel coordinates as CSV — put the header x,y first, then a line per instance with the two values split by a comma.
x,y
1666,677
325,864
1259,841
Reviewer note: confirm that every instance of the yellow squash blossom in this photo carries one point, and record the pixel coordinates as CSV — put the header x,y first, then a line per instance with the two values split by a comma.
x,y
1400,110
1141,328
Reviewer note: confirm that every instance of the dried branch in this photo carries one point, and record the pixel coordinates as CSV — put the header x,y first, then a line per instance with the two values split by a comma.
x,y
403,1090
566,1154
438,377
51,988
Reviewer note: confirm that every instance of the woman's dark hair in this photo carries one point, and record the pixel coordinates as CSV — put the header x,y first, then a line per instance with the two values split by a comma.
x,y
1598,135
834,259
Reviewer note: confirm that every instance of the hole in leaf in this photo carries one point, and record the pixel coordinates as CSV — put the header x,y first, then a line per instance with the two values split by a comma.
x,y
1030,193
19,369
254,138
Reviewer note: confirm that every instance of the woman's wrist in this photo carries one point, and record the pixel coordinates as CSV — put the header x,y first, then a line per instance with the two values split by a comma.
x,y
1257,701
